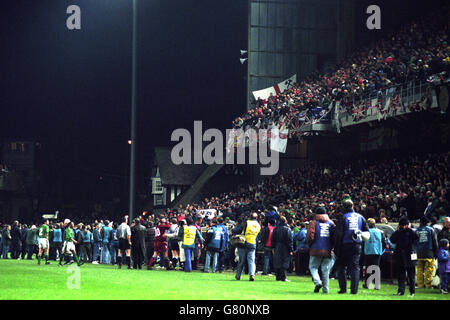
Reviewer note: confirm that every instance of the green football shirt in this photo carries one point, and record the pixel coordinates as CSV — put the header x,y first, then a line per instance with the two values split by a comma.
x,y
68,234
44,231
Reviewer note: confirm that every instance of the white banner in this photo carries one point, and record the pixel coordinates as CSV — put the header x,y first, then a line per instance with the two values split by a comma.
x,y
276,89
279,138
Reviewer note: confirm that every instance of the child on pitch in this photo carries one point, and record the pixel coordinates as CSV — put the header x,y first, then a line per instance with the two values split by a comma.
x,y
444,264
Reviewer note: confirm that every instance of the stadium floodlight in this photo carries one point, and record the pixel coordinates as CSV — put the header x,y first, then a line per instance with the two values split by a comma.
x,y
133,114
242,60
243,52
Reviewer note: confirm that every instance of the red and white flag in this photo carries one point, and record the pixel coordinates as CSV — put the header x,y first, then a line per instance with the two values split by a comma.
x,y
276,89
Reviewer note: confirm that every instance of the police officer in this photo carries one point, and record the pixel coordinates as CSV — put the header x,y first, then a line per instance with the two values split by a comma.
x,y
349,229
251,229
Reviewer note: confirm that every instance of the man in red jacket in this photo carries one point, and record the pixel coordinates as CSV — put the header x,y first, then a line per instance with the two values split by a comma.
x,y
160,244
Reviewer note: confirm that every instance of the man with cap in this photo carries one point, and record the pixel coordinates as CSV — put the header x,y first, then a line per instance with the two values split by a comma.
x,y
426,248
319,237
349,231
404,238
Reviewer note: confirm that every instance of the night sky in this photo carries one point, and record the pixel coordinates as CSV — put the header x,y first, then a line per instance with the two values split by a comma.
x,y
71,90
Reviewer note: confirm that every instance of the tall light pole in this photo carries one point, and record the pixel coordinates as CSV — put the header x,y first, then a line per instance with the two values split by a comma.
x,y
133,115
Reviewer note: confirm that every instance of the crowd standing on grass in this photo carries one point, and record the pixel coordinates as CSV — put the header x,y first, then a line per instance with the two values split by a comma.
x,y
327,217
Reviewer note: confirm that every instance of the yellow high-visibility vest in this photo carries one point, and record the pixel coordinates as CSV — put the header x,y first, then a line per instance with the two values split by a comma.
x,y
252,231
189,235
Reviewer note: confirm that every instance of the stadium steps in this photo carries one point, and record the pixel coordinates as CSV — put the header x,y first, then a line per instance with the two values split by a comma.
x,y
192,194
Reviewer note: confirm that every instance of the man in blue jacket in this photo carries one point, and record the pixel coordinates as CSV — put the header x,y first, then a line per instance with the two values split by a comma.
x,y
214,239
373,248
348,245
426,247
302,250
223,245
320,237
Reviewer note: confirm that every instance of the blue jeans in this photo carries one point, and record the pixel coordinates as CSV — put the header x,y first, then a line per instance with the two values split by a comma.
x,y
445,276
114,249
5,251
106,253
325,265
268,257
96,250
248,252
214,256
349,258
188,262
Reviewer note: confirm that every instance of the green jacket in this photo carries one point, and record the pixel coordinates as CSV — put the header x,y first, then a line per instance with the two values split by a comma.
x,y
31,236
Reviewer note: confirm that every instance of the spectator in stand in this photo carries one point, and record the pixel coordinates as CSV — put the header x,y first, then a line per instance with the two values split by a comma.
x,y
320,238
283,248
251,229
404,239
302,250
348,246
444,265
373,248
426,248
265,238
445,232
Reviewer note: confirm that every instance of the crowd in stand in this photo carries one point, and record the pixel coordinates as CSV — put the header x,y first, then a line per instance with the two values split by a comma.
x,y
381,190
412,53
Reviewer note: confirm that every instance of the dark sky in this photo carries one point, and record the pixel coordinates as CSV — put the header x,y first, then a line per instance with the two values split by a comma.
x,y
71,90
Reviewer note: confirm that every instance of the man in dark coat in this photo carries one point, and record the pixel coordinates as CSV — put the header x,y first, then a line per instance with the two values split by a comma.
x,y
404,239
138,244
16,240
283,249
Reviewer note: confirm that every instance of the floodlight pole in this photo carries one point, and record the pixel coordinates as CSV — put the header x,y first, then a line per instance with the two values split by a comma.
x,y
133,116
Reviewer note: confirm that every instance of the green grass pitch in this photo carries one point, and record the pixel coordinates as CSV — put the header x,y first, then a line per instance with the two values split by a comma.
x,y
25,279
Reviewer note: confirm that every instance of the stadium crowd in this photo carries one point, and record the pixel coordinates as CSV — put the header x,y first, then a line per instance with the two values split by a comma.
x,y
412,187
414,52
